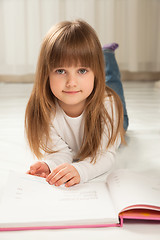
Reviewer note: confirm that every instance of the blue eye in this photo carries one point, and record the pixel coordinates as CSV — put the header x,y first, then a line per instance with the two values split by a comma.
x,y
60,71
82,71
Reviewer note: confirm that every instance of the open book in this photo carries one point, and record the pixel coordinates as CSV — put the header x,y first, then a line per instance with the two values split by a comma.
x,y
29,202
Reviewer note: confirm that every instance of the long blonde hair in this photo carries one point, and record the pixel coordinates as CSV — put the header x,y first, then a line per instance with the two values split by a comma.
x,y
68,44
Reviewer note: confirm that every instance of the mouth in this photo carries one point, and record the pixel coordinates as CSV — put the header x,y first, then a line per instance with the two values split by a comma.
x,y
71,92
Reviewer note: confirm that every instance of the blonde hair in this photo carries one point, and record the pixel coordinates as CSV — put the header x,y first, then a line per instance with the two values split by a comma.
x,y
68,44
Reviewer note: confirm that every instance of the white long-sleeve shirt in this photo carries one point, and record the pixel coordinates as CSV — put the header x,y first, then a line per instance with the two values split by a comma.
x,y
66,138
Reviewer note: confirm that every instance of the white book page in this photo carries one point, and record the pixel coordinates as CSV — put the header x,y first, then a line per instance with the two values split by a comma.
x,y
29,199
130,188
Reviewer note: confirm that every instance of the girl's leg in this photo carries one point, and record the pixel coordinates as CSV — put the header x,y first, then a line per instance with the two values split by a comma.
x,y
113,78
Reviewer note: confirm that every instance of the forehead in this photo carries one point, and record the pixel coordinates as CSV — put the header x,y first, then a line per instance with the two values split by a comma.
x,y
71,59
73,64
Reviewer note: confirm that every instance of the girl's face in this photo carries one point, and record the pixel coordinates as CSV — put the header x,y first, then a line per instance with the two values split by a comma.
x,y
71,86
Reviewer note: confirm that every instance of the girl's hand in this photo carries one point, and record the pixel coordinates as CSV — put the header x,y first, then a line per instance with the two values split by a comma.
x,y
40,169
64,173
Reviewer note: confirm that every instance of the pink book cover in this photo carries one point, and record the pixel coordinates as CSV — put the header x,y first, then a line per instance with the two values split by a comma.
x,y
151,213
60,227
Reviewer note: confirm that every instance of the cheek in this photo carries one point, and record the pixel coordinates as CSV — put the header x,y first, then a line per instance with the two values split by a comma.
x,y
90,85
51,83
54,85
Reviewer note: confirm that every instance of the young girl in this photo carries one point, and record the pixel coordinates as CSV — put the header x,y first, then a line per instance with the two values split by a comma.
x,y
74,123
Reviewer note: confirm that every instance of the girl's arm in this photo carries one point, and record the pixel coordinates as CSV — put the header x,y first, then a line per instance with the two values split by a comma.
x,y
105,161
62,154
105,157
57,167
51,162
60,163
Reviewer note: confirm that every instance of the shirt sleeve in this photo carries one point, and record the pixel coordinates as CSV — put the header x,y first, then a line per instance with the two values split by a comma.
x,y
105,162
62,154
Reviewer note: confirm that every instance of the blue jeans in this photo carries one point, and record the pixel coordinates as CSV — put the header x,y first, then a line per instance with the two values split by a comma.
x,y
113,80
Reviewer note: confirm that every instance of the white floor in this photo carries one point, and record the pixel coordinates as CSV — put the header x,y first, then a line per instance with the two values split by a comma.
x,y
143,135
141,153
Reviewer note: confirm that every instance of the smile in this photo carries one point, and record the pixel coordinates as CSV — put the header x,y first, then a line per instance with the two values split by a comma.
x,y
71,92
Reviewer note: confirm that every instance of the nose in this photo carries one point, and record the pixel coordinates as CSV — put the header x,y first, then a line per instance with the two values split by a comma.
x,y
71,81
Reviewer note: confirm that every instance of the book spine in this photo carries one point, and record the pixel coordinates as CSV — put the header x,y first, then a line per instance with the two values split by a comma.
x,y
121,220
59,227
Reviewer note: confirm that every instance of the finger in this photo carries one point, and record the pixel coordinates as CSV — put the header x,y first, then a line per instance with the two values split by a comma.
x,y
64,179
42,168
43,175
50,176
53,178
35,167
72,182
57,170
